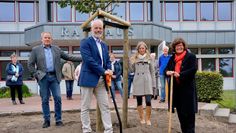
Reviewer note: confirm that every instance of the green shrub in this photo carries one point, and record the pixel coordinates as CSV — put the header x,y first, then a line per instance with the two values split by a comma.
x,y
5,91
209,86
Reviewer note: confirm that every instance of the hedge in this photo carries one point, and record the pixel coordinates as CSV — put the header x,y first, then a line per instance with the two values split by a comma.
x,y
209,86
5,92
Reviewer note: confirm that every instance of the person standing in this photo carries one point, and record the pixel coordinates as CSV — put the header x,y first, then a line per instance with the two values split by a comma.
x,y
163,61
45,65
14,79
116,77
144,80
183,66
96,64
68,70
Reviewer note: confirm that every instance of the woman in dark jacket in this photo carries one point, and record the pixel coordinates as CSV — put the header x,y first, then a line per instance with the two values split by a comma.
x,y
14,78
183,66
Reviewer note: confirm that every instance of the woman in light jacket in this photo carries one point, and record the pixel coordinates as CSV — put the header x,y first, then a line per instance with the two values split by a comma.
x,y
144,80
14,78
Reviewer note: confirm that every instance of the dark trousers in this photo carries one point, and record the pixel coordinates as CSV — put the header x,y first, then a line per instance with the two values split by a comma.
x,y
13,90
148,99
187,121
69,87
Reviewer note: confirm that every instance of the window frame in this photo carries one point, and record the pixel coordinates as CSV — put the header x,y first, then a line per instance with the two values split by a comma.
x,y
213,13
19,12
231,9
177,13
57,14
14,10
195,11
142,2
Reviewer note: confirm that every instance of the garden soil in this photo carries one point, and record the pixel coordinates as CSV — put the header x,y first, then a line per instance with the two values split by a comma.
x,y
19,123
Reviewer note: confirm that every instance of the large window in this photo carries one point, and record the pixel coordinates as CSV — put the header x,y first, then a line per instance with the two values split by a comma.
x,y
149,11
224,11
226,51
26,75
26,11
193,50
172,11
81,17
208,51
136,11
50,11
24,53
7,53
76,50
189,11
3,65
226,67
119,10
65,49
63,14
207,11
208,64
7,11
117,49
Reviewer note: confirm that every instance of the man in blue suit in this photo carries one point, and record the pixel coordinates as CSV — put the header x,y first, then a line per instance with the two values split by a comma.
x,y
96,64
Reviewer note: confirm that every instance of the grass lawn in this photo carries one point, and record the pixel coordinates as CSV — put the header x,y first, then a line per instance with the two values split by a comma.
x,y
228,100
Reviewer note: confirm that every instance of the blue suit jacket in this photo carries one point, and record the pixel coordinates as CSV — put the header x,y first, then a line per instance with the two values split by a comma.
x,y
92,68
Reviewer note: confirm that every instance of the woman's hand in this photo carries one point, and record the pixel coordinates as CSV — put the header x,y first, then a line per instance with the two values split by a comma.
x,y
176,74
169,73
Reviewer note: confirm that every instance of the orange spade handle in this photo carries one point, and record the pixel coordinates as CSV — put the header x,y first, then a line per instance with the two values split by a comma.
x,y
108,80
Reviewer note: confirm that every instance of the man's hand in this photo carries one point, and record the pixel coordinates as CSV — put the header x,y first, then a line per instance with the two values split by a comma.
x,y
176,74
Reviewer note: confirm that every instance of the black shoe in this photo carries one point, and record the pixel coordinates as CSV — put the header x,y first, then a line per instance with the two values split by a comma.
x,y
22,102
161,101
14,102
155,98
59,123
46,124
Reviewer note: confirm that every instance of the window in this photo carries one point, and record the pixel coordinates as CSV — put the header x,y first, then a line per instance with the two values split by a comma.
x,y
224,11
117,49
207,11
194,50
63,14
172,11
24,53
81,17
119,10
149,11
7,53
189,11
76,50
226,51
3,65
65,49
208,64
7,11
208,51
26,75
50,11
133,49
136,11
26,11
226,67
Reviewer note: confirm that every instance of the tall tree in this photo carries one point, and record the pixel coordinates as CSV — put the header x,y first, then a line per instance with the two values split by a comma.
x,y
88,6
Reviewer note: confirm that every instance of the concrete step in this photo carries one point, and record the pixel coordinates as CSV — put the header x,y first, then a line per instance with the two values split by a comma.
x,y
222,114
208,109
232,118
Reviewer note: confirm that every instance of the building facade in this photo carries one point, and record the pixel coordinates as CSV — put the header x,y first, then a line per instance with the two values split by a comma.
x,y
208,26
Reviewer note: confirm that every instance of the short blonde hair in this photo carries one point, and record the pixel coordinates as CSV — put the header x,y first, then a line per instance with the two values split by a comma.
x,y
13,55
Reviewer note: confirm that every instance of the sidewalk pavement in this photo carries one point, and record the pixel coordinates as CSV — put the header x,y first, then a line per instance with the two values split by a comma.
x,y
33,105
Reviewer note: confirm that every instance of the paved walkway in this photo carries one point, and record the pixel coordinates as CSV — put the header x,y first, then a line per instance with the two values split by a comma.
x,y
33,105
